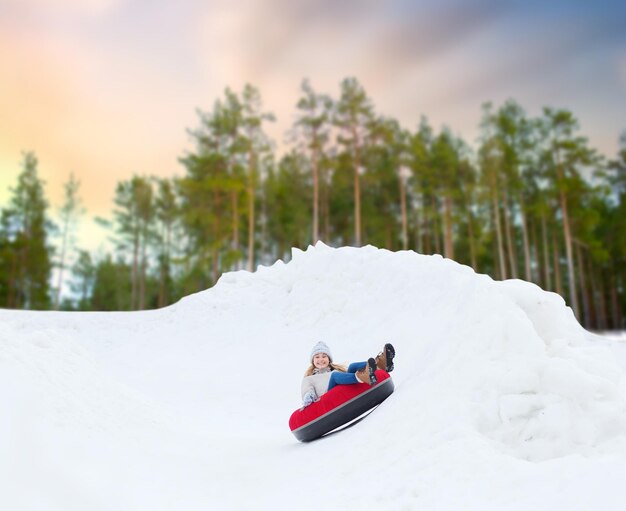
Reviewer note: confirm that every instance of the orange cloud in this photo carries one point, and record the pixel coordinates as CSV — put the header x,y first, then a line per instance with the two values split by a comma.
x,y
104,93
85,111
54,6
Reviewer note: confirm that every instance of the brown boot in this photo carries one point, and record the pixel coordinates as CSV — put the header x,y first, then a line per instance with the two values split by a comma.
x,y
384,360
366,375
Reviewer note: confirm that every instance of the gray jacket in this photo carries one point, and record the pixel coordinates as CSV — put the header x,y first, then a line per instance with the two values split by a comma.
x,y
317,381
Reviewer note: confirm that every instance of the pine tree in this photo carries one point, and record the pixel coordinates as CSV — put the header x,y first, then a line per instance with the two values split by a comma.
x,y
167,213
353,114
26,257
84,272
69,214
288,191
256,143
314,123
133,219
564,155
446,161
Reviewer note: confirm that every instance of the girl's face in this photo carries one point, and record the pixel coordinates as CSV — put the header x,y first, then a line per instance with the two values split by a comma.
x,y
321,360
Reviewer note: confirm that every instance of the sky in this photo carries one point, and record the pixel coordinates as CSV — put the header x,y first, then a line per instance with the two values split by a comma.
x,y
108,88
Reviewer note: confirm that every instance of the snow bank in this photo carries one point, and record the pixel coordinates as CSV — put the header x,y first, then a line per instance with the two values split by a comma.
x,y
500,394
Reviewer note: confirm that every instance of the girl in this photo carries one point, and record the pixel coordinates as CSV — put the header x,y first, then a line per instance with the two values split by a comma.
x,y
322,375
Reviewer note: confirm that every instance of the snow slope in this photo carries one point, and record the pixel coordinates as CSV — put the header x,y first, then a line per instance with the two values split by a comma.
x,y
502,401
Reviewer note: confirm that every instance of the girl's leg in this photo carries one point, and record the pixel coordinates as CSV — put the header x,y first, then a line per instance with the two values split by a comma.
x,y
356,366
339,378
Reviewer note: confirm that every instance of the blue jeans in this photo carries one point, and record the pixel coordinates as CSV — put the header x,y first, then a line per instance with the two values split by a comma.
x,y
349,378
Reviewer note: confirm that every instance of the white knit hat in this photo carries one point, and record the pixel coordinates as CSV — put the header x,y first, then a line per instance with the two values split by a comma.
x,y
321,347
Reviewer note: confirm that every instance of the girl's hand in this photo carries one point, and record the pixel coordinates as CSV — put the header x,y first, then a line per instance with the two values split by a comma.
x,y
309,397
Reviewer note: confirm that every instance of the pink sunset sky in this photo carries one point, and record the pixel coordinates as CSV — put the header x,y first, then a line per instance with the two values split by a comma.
x,y
107,88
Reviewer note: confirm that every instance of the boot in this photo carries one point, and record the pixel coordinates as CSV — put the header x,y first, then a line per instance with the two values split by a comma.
x,y
384,360
366,375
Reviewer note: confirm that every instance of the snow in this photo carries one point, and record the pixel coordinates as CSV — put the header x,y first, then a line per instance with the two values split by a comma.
x,y
503,401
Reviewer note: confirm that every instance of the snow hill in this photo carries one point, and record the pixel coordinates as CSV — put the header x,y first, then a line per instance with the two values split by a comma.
x,y
503,401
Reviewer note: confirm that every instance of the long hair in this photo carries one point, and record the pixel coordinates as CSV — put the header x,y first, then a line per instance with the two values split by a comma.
x,y
333,367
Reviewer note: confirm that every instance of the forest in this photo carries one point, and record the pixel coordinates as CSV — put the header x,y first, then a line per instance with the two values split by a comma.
x,y
530,199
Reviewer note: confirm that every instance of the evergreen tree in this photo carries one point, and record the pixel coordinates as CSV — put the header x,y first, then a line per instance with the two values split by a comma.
x,y
289,191
133,218
314,122
84,273
384,194
112,286
420,164
25,257
69,214
446,161
256,144
353,115
564,156
167,214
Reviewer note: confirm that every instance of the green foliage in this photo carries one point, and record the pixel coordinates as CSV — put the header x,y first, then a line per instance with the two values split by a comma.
x,y
84,272
112,286
69,213
288,192
534,201
25,257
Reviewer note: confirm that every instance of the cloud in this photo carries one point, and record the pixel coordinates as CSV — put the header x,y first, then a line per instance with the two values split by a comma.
x,y
84,110
256,39
387,46
23,7
106,96
621,69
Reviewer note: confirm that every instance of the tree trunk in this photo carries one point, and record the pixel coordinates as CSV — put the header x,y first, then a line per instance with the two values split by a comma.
x,y
216,236
23,291
357,189
526,244
436,232
586,312
496,217
133,274
357,207
405,233
546,253
569,253
618,321
603,320
448,244
165,265
557,265
142,283
470,234
316,192
597,300
57,301
251,168
418,230
470,231
534,252
234,206
265,245
509,237
497,269
325,204
12,282
427,227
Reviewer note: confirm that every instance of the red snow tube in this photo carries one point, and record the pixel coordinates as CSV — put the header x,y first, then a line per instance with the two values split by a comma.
x,y
338,406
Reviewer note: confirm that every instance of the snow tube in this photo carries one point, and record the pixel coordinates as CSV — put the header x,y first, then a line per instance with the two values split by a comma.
x,y
338,406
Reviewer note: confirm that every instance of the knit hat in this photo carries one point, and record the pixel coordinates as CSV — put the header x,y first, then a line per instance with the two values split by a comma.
x,y
321,347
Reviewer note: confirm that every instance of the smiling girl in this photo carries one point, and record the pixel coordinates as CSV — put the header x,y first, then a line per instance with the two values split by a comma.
x,y
322,375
